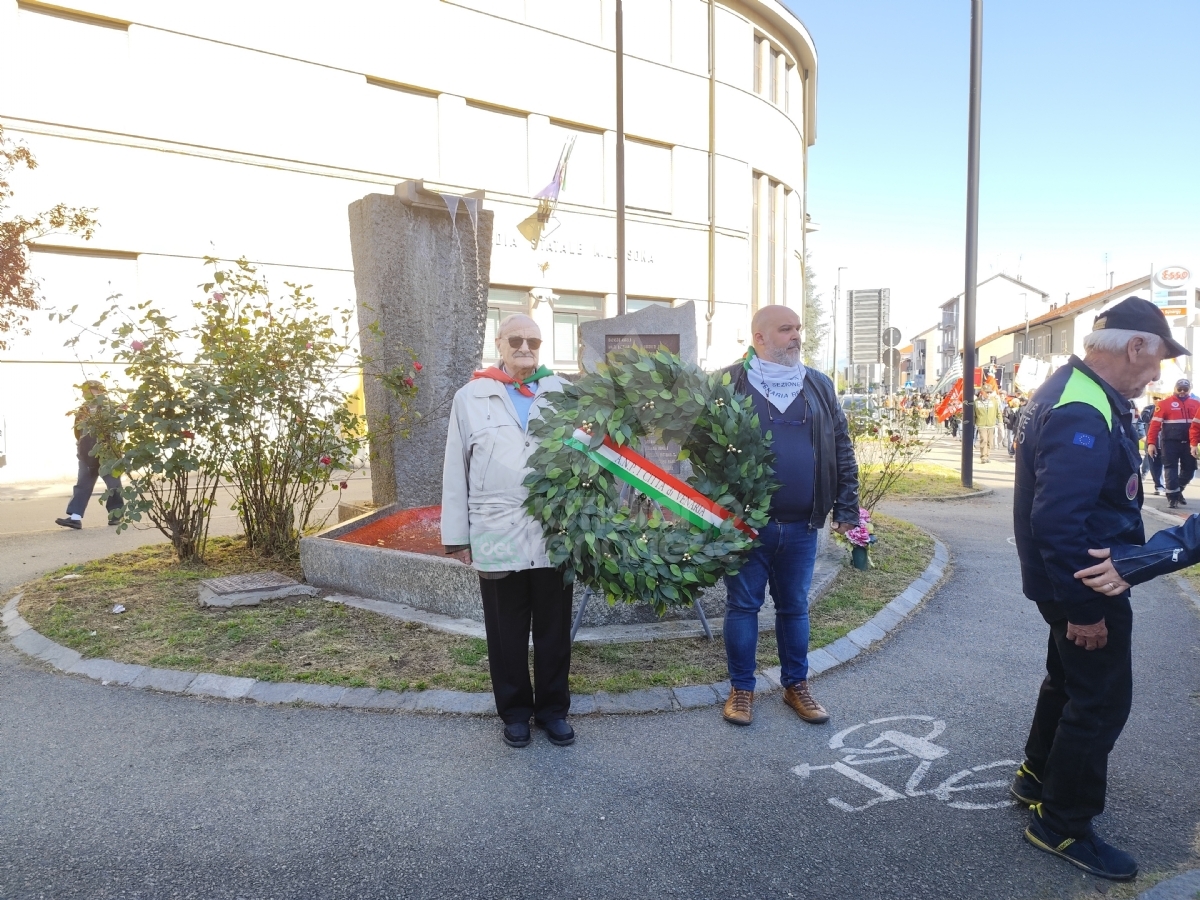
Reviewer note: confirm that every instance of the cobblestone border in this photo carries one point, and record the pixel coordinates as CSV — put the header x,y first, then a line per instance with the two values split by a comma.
x,y
662,699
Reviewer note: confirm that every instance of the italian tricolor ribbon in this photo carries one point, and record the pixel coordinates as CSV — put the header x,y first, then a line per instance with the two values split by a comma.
x,y
635,470
522,386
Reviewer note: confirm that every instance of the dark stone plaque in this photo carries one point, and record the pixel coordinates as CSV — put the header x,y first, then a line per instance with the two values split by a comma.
x,y
617,342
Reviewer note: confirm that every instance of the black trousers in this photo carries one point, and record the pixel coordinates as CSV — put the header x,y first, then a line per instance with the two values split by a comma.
x,y
534,598
1081,710
1178,465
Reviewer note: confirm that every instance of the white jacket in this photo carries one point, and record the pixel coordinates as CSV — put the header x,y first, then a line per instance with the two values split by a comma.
x,y
486,462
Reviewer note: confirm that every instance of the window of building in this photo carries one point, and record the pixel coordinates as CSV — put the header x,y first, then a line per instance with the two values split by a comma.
x,y
1062,341
504,167
768,240
647,175
585,169
633,304
772,72
502,303
571,311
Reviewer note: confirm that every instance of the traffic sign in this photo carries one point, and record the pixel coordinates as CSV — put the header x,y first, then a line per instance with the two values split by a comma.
x,y
891,337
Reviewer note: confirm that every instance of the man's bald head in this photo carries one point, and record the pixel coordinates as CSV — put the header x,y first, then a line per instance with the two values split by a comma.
x,y
517,321
777,332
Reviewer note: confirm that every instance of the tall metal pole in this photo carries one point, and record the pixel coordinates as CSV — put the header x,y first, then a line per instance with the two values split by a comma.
x,y
837,293
968,429
620,159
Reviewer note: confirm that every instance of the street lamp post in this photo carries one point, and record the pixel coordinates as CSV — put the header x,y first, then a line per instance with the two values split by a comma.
x,y
972,254
620,54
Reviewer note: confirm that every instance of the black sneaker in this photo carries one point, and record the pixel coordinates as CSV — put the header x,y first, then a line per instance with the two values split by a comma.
x,y
517,734
68,522
1179,499
1088,853
1026,787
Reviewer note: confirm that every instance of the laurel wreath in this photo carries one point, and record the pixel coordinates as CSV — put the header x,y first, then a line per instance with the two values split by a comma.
x,y
629,549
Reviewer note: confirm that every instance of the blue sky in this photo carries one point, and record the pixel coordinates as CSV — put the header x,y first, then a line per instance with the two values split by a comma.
x,y
1090,144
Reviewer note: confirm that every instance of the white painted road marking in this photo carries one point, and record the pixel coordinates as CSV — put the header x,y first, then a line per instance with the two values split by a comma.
x,y
893,744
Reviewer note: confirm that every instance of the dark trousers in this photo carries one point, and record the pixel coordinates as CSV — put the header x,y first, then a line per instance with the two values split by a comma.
x,y
1153,465
85,481
1178,465
1081,710
534,598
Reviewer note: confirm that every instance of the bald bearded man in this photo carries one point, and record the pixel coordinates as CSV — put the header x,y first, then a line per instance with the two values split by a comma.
x,y
815,464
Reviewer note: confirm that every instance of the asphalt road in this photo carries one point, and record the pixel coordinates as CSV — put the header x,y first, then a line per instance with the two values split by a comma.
x,y
109,792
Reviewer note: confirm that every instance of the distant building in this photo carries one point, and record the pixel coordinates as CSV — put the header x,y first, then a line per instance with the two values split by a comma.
x,y
999,302
926,360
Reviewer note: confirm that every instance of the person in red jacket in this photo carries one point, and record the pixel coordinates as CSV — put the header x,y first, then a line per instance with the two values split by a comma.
x,y
1169,435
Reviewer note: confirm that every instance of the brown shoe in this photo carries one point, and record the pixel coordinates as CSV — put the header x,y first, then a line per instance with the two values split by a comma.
x,y
801,700
739,708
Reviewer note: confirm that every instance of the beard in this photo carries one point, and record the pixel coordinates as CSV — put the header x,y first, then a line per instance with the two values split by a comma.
x,y
785,356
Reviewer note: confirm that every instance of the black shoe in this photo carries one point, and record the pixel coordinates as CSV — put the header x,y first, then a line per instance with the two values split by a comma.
x,y
1157,492
1026,787
1179,499
516,734
69,523
1088,853
559,732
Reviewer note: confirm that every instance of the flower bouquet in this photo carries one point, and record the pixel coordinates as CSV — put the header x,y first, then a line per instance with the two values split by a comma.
x,y
860,538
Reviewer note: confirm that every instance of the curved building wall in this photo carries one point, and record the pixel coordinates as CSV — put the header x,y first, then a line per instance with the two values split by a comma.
x,y
248,128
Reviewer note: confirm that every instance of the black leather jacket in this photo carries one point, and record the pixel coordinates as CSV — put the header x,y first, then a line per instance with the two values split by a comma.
x,y
1170,550
836,473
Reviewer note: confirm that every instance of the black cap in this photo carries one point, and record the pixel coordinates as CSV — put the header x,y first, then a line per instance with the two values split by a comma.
x,y
1183,383
1136,314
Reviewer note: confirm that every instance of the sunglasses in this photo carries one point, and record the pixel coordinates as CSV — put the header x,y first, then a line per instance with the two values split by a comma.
x,y
516,342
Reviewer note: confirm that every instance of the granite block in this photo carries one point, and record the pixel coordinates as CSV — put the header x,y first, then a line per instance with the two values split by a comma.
x,y
842,649
583,705
865,635
18,626
9,616
359,698
773,676
395,700
643,701
170,680
696,696
59,656
29,641
820,661
223,686
11,602
107,671
886,619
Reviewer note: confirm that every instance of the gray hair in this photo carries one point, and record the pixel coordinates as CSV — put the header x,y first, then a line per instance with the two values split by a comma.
x,y
1115,340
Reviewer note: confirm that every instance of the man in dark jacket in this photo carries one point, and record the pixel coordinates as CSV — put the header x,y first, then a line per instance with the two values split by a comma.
x,y
92,411
814,462
1078,487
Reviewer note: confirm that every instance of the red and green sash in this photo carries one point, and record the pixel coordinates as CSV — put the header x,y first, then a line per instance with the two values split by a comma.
x,y
497,374
635,470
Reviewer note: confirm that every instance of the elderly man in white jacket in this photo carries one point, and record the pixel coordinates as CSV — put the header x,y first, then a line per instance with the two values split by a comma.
x,y
484,524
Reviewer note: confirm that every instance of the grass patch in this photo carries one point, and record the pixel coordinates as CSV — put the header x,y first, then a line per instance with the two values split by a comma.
x,y
925,481
311,640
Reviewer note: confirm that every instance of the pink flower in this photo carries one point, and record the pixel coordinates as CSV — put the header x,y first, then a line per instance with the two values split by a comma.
x,y
408,382
187,434
859,536
418,366
343,485
218,296
308,346
325,461
137,346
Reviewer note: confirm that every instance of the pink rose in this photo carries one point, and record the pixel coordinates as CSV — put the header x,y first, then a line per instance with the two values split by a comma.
x,y
308,346
325,461
343,485
408,382
418,366
218,296
137,346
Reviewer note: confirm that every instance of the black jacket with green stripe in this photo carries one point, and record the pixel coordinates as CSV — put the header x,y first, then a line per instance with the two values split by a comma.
x,y
1078,486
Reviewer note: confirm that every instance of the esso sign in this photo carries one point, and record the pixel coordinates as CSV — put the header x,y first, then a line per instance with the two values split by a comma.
x,y
1173,276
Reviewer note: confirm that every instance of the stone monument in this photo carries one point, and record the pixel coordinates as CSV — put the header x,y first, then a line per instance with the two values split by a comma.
x,y
675,327
421,266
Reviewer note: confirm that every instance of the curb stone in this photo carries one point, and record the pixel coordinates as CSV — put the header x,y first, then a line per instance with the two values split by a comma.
x,y
1181,887
649,700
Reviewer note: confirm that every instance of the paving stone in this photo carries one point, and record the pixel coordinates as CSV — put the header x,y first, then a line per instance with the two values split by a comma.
x,y
696,696
583,705
722,688
909,599
359,698
18,626
865,635
223,686
820,661
12,602
774,675
275,691
10,616
107,671
59,656
843,649
1182,887
940,553
395,700
29,641
171,680
456,702
643,701
886,619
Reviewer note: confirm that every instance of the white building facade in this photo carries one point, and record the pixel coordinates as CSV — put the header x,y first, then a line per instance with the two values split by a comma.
x,y
246,129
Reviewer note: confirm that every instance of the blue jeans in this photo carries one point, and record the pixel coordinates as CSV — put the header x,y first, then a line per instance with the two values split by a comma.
x,y
85,482
784,558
